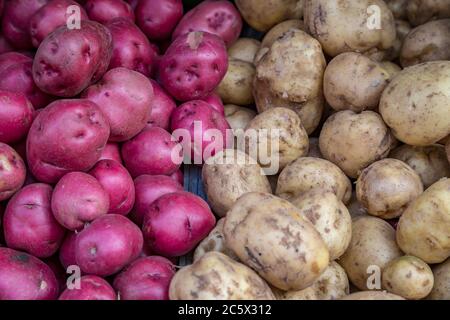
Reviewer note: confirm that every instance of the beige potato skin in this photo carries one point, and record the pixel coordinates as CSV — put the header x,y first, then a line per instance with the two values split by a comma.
x,y
373,244
422,11
353,141
424,228
238,117
441,288
354,82
217,277
429,162
244,49
387,187
398,8
391,68
415,103
372,295
408,277
309,173
228,175
427,42
329,216
341,26
237,85
272,237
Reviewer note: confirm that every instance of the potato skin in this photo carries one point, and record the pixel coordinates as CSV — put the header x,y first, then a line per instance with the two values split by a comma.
x,y
421,11
286,250
441,289
398,8
387,187
423,229
415,104
238,117
373,244
228,175
308,173
217,277
408,277
391,68
353,141
237,85
244,49
372,295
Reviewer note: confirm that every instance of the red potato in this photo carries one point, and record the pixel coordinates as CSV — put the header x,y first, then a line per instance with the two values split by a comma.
x,y
158,18
68,135
78,199
107,245
147,278
131,48
5,46
148,189
176,222
24,277
29,224
215,101
193,65
16,115
118,183
124,96
111,152
16,21
91,288
208,131
161,108
51,16
67,250
12,171
69,60
219,17
153,151
178,176
104,11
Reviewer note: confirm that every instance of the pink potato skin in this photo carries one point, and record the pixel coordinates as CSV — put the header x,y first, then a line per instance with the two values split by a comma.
x,y
78,199
5,46
148,189
12,171
91,288
16,115
24,277
67,61
67,250
118,183
216,102
68,135
16,20
178,177
131,48
16,76
161,108
107,245
153,152
51,16
158,18
58,271
29,223
176,222
147,278
219,17
124,96
193,65
104,11
111,152
193,114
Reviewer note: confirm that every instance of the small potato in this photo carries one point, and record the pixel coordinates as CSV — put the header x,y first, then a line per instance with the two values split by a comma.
x,y
237,86
353,141
415,104
238,117
372,245
429,162
421,11
329,216
391,68
398,7
244,49
387,187
217,277
354,82
372,295
441,289
424,228
271,236
408,277
331,285
314,149
228,175
308,173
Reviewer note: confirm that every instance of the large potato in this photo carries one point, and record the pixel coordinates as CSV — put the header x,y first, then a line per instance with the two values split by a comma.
x,y
308,173
421,11
329,216
372,295
415,104
230,174
217,277
347,25
424,228
372,245
271,236
237,86
353,141
441,289
244,49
